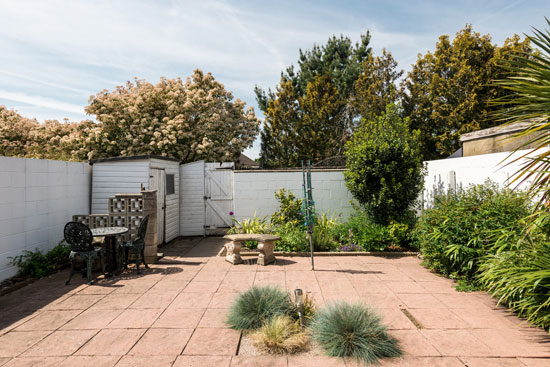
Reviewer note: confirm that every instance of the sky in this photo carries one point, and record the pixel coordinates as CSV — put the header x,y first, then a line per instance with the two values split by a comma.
x,y
55,54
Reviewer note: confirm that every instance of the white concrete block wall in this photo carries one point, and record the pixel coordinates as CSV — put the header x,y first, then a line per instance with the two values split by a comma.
x,y
255,191
471,170
37,198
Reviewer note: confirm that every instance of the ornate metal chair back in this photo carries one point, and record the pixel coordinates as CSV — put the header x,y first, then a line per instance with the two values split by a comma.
x,y
142,230
79,236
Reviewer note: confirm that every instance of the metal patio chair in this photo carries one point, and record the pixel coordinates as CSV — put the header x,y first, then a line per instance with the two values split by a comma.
x,y
137,246
80,238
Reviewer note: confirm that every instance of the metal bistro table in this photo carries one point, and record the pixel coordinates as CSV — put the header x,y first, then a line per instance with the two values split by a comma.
x,y
110,234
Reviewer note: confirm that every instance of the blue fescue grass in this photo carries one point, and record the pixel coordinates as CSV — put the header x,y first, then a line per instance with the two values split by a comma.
x,y
257,305
353,330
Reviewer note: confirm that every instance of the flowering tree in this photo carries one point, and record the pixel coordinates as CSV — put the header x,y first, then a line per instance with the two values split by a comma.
x,y
191,120
195,119
14,132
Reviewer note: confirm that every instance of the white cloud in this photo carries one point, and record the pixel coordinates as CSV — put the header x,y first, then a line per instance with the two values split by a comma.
x,y
41,102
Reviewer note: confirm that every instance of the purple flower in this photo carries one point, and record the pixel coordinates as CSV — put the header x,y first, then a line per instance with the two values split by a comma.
x,y
231,213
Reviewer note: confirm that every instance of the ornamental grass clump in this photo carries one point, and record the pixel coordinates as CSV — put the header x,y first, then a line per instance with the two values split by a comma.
x,y
281,334
254,307
353,330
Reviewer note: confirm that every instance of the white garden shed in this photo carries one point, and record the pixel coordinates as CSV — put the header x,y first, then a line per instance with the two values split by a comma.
x,y
111,176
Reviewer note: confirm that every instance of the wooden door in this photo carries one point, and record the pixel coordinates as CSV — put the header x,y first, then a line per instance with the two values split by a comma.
x,y
218,196
157,181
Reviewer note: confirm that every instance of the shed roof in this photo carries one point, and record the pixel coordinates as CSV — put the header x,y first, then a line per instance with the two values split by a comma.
x,y
133,158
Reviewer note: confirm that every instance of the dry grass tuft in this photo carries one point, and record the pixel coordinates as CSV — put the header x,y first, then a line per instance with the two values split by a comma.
x,y
280,335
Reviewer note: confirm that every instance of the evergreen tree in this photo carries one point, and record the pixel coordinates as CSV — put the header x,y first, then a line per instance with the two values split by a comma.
x,y
446,94
375,88
314,114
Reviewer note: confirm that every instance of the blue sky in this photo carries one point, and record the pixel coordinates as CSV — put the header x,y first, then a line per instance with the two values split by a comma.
x,y
55,53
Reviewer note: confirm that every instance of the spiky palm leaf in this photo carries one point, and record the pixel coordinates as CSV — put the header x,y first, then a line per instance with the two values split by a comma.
x,y
528,78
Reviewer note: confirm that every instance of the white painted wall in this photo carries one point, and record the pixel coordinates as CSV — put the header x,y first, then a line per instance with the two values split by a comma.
x,y
471,170
117,177
37,198
172,201
192,199
255,191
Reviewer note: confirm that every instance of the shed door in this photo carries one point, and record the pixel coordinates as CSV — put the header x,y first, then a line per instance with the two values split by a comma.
x,y
157,181
218,191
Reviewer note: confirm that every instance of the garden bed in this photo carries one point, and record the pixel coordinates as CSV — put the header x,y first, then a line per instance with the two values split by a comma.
x,y
388,253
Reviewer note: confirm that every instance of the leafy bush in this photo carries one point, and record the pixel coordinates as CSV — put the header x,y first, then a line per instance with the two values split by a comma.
x,y
290,209
251,225
353,330
384,166
366,234
37,265
257,305
462,227
293,239
280,334
518,272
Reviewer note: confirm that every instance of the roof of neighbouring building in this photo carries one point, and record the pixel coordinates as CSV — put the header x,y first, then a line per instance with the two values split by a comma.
x,y
495,131
245,161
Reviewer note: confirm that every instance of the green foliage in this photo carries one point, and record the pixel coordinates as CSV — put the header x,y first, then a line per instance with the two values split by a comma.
x,y
257,305
307,116
517,271
309,310
447,92
353,330
290,209
464,285
281,334
37,265
375,88
462,227
251,225
526,80
323,232
293,239
384,166
368,235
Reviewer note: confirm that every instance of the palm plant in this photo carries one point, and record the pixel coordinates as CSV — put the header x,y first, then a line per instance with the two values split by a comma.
x,y
528,80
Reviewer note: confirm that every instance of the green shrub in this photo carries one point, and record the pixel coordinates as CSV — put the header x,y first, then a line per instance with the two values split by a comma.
x,y
365,233
518,272
462,227
293,239
251,225
257,305
37,265
384,166
290,210
353,330
281,334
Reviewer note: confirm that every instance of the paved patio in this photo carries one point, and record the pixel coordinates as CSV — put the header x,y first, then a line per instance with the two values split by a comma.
x,y
172,314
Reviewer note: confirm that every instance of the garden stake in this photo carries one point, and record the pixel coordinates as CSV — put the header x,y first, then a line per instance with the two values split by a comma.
x,y
307,207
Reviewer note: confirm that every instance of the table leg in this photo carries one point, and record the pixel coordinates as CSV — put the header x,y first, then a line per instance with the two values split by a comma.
x,y
110,256
115,258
